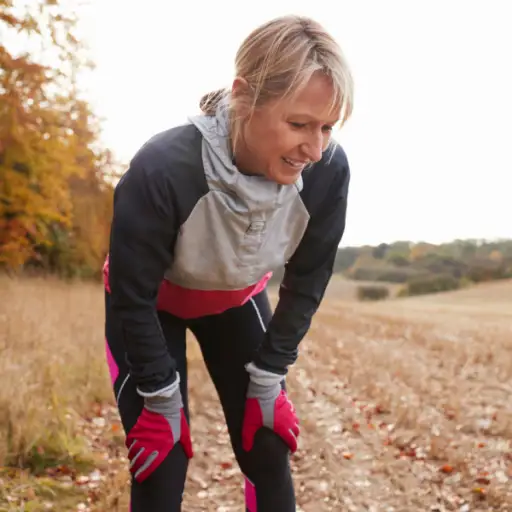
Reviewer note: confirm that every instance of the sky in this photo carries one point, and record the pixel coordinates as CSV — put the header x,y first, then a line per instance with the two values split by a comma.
x,y
430,139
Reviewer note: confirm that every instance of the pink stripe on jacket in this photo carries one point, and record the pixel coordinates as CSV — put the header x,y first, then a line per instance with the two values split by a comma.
x,y
187,303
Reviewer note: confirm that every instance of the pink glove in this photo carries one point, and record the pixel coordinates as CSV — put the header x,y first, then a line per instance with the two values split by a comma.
x,y
161,424
268,405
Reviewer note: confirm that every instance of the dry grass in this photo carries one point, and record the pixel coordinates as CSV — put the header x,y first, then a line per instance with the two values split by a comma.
x,y
405,405
52,366
53,370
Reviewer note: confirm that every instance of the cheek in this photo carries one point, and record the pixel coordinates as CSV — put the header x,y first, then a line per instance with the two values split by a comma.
x,y
270,143
285,141
261,138
273,140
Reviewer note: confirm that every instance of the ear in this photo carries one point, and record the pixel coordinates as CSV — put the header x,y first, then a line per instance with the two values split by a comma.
x,y
241,94
239,88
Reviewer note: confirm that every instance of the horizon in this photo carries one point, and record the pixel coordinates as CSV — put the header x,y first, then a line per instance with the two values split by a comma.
x,y
476,241
427,142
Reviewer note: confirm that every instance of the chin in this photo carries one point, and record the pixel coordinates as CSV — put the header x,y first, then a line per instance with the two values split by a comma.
x,y
287,180
283,178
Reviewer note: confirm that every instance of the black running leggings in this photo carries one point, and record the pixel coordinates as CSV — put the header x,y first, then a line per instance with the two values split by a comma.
x,y
227,342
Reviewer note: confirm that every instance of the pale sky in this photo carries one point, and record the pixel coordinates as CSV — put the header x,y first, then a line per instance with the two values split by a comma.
x,y
430,139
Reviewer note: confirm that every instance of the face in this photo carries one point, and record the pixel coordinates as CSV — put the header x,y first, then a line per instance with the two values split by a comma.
x,y
282,137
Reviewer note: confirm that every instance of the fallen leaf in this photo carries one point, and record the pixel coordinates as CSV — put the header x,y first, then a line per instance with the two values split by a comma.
x,y
82,480
449,414
410,452
483,479
480,491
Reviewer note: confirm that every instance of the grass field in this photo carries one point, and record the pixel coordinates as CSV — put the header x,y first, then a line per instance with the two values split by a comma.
x,y
405,405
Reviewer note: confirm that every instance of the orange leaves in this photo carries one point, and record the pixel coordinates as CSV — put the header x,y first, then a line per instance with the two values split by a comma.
x,y
9,19
115,428
46,138
446,468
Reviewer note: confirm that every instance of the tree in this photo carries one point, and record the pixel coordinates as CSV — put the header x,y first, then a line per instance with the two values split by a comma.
x,y
379,252
48,134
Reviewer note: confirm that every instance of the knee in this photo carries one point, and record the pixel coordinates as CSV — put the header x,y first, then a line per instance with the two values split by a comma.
x,y
269,454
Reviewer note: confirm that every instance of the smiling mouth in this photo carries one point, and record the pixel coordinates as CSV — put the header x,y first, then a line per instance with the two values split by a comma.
x,y
295,164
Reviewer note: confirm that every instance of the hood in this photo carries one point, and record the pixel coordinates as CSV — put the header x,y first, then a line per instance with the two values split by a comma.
x,y
256,192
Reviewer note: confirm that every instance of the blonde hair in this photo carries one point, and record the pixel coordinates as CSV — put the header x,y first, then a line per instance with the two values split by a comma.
x,y
277,59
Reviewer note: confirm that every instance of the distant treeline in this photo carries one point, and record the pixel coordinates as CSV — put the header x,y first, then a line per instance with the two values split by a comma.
x,y
402,262
423,267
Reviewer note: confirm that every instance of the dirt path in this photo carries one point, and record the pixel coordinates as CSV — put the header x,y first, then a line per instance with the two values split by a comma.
x,y
398,413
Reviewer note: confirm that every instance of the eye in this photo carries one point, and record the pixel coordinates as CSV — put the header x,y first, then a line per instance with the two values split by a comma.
x,y
327,128
298,125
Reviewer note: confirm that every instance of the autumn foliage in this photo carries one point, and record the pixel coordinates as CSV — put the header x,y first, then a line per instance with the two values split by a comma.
x,y
55,196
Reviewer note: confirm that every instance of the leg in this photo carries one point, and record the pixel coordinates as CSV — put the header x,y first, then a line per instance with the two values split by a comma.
x,y
228,342
163,490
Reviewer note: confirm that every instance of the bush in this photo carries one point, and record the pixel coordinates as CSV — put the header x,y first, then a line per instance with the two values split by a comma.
x,y
372,292
442,265
432,284
489,271
385,273
398,260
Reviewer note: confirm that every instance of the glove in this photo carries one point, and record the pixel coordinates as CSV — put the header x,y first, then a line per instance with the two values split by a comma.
x,y
268,405
161,424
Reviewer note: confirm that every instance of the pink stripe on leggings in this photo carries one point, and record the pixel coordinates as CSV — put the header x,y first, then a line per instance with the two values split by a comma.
x,y
250,496
112,366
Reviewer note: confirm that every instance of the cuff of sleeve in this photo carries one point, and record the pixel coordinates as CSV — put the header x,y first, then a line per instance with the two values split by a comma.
x,y
262,377
166,392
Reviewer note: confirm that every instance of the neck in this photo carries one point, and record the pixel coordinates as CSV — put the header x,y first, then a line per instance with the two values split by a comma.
x,y
244,161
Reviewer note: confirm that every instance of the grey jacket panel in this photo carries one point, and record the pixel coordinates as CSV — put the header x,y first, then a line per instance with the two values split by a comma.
x,y
225,248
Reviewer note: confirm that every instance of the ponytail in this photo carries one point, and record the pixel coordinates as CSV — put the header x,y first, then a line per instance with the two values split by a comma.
x,y
209,102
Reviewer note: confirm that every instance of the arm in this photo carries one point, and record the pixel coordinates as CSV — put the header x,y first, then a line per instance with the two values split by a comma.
x,y
141,244
307,274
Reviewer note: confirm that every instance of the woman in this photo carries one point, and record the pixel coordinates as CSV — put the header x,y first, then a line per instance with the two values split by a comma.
x,y
204,214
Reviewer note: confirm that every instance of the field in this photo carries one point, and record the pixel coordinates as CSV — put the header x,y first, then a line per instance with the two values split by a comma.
x,y
405,405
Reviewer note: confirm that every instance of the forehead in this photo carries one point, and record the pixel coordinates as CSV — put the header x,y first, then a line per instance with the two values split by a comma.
x,y
314,100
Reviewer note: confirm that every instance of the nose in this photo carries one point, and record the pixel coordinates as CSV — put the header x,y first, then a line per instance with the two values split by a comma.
x,y
314,146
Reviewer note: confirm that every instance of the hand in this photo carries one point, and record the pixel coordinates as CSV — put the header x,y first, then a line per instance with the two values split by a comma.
x,y
268,405
161,424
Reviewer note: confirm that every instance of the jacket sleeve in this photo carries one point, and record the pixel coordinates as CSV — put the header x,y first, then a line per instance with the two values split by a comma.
x,y
307,275
141,245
